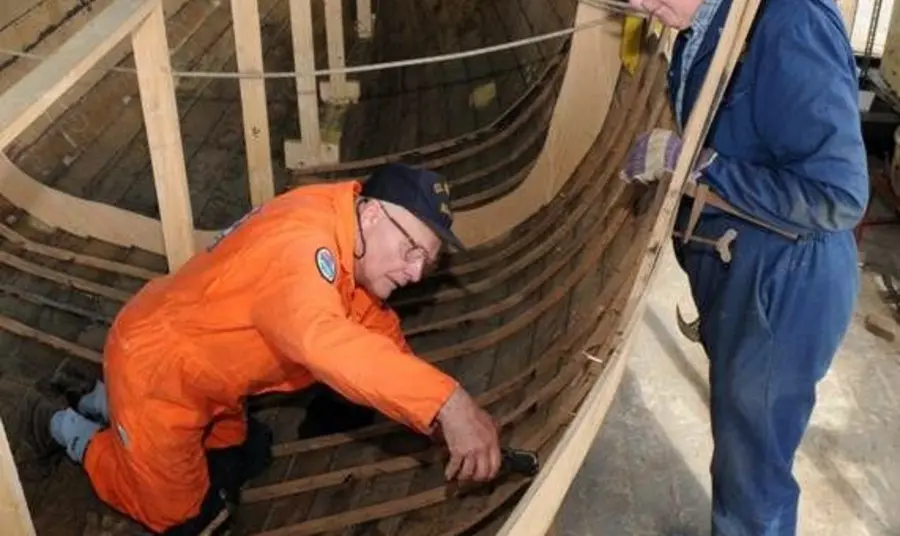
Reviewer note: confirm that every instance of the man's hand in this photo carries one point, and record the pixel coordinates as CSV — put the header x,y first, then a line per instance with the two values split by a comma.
x,y
655,153
471,436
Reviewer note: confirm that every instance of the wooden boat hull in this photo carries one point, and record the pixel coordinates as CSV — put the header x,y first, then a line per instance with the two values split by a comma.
x,y
533,321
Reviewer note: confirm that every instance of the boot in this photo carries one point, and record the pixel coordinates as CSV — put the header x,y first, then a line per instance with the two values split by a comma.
x,y
38,453
68,382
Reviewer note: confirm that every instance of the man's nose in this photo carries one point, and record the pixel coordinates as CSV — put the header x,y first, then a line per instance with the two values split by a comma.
x,y
416,270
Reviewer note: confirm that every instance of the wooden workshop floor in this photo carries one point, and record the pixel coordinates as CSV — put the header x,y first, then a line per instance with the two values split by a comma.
x,y
647,472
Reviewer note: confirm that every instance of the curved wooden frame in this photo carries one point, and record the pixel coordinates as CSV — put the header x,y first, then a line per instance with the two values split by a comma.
x,y
534,514
87,218
586,362
593,182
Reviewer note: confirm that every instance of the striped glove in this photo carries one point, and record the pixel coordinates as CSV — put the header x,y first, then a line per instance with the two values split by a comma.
x,y
655,153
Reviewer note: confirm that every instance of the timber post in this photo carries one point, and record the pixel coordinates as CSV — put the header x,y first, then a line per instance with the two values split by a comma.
x,y
248,45
337,89
309,149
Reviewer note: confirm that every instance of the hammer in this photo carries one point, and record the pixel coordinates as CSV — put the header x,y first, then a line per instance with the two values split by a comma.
x,y
722,244
524,462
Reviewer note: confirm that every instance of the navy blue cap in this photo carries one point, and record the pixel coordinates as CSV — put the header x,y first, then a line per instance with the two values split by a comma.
x,y
422,192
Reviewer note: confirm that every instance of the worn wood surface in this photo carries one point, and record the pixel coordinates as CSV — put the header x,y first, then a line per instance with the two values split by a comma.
x,y
514,337
519,319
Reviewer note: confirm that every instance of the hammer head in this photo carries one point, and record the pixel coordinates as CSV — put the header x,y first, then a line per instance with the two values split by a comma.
x,y
524,462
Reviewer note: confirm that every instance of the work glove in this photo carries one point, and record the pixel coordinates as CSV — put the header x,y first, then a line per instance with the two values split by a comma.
x,y
655,153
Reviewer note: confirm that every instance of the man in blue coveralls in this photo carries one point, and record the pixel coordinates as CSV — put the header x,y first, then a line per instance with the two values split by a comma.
x,y
785,148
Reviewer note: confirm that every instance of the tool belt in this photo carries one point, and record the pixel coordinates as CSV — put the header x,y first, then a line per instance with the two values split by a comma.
x,y
702,196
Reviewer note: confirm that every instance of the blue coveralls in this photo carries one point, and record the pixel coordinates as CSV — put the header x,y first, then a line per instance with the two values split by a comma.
x,y
790,152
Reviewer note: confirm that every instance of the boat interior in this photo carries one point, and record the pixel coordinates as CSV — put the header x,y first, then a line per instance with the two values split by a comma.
x,y
129,140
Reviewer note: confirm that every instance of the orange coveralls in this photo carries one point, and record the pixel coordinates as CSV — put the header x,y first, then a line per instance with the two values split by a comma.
x,y
252,314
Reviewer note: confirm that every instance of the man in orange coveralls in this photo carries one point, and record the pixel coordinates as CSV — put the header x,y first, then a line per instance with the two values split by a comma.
x,y
290,295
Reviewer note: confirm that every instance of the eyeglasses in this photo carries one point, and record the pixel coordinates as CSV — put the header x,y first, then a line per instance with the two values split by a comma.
x,y
416,252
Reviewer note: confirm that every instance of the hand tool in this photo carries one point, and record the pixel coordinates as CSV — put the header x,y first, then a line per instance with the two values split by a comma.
x,y
691,330
722,244
524,462
702,196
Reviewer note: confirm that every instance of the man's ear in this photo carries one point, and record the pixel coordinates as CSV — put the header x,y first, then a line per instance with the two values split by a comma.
x,y
369,214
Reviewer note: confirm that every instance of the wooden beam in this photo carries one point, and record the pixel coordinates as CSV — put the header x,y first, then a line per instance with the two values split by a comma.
x,y
309,150
337,89
248,43
157,89
40,88
13,508
536,510
365,19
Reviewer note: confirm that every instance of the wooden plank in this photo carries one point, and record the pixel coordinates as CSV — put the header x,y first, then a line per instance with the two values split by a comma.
x,y
365,19
534,513
248,44
12,11
29,98
13,508
151,55
308,150
337,89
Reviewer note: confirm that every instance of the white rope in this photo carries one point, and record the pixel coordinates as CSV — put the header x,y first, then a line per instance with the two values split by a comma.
x,y
608,5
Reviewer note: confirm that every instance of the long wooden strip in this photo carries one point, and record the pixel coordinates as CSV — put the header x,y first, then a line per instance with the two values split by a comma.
x,y
511,328
248,42
13,508
14,326
402,463
534,514
600,228
67,255
548,75
63,279
161,121
427,498
333,440
586,170
614,291
43,301
32,95
622,116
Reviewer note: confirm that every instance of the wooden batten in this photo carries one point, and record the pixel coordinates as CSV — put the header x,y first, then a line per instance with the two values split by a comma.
x,y
337,89
13,508
535,512
151,57
309,149
248,42
36,92
365,19
556,299
23,103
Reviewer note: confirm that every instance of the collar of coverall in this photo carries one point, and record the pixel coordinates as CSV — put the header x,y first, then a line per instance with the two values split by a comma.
x,y
703,17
